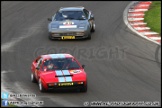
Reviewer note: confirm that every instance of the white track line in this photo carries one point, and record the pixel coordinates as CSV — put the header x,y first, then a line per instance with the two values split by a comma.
x,y
138,23
2,72
7,46
136,14
149,33
141,28
138,10
135,19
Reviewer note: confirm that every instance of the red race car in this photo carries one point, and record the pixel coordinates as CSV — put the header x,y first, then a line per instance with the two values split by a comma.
x,y
53,71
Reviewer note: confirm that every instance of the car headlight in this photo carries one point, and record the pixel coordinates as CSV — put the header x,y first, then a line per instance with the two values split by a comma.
x,y
80,82
81,26
55,34
52,84
54,26
80,33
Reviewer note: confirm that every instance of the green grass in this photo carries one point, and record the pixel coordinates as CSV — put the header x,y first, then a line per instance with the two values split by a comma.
x,y
153,17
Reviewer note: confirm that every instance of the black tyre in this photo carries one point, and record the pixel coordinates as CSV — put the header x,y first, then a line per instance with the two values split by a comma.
x,y
50,37
84,89
41,88
93,28
33,79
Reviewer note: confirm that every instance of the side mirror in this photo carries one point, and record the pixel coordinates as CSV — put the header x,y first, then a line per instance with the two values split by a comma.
x,y
83,66
92,17
49,19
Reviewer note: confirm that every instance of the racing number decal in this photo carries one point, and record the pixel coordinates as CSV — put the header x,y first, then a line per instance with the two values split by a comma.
x,y
67,22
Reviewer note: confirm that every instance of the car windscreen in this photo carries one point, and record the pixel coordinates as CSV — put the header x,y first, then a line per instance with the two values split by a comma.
x,y
71,15
60,64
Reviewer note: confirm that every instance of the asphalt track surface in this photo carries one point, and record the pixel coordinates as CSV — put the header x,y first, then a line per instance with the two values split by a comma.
x,y
120,65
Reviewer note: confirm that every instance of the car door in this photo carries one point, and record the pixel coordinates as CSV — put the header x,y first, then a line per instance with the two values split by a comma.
x,y
34,64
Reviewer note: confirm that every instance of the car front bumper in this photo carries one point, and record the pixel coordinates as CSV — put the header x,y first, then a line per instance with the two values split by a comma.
x,y
64,35
67,85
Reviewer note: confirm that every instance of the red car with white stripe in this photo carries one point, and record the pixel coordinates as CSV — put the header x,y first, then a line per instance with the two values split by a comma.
x,y
54,71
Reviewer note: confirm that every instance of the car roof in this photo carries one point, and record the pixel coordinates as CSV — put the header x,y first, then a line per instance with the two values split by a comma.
x,y
56,56
78,8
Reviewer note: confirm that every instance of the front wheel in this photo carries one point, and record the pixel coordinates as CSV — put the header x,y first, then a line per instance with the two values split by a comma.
x,y
50,37
41,88
33,79
93,27
84,88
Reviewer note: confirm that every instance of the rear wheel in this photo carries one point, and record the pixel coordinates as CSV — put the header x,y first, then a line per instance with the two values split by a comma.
x,y
93,28
41,88
33,79
50,37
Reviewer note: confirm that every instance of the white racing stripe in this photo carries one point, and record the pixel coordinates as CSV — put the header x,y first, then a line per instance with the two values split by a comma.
x,y
63,77
57,55
66,72
59,73
67,78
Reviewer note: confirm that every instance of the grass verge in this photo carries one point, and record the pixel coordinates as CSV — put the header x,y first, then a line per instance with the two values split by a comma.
x,y
153,17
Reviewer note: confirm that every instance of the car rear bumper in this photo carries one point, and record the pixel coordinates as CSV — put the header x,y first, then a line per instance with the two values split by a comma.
x,y
76,37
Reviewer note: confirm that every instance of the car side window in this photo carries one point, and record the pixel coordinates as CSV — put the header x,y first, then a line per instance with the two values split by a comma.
x,y
57,16
74,64
86,13
39,62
